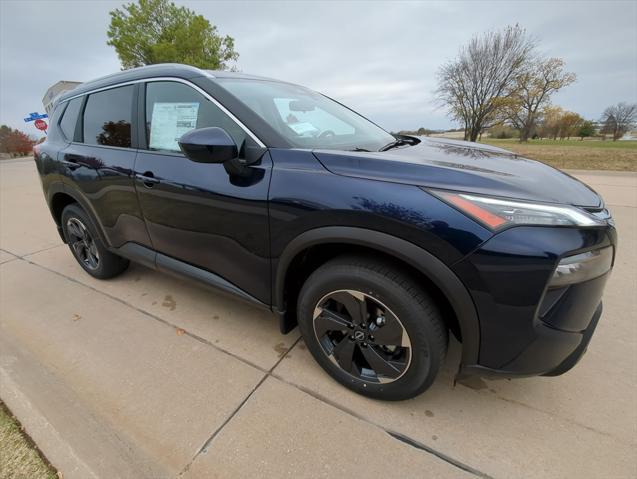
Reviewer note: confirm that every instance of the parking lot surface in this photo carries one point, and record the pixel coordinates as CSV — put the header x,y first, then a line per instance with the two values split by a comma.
x,y
146,375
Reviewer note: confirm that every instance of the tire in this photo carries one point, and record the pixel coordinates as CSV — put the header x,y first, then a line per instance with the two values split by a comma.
x,y
378,369
87,247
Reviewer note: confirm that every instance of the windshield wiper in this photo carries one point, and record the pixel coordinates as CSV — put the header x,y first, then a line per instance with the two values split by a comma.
x,y
356,148
395,143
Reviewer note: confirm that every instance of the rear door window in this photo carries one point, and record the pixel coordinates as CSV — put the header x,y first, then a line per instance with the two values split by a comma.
x,y
69,120
107,117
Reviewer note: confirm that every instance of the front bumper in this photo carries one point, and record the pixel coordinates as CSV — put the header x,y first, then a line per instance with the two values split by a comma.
x,y
526,329
552,347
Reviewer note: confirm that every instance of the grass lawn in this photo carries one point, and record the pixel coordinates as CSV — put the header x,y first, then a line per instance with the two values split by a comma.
x,y
19,459
575,154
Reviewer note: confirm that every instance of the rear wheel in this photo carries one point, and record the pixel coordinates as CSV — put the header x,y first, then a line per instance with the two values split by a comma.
x,y
86,246
372,328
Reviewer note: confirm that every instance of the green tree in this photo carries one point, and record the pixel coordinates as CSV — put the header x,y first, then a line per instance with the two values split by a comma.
x,y
586,129
157,31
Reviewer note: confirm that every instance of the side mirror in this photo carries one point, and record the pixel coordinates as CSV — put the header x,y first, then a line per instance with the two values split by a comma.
x,y
208,145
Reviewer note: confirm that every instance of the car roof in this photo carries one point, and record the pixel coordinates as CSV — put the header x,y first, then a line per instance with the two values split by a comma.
x,y
152,71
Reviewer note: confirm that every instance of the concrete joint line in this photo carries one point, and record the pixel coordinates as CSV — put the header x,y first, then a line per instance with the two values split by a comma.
x,y
208,442
398,436
17,256
418,445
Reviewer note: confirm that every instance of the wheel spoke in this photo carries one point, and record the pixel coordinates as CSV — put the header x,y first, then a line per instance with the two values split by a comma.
x,y
354,303
75,230
91,256
380,365
344,354
80,248
330,321
93,250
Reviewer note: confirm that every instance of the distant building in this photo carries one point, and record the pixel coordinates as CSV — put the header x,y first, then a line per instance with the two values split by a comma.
x,y
630,136
56,90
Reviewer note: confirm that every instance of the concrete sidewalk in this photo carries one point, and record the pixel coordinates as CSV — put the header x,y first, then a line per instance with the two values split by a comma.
x,y
148,376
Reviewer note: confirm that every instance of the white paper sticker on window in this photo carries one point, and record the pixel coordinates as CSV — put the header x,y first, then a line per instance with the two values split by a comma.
x,y
169,122
303,128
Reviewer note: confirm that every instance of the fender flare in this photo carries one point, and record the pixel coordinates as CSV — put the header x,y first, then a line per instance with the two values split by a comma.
x,y
438,272
63,188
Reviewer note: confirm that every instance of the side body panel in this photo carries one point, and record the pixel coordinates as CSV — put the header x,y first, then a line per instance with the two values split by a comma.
x,y
209,216
304,195
103,176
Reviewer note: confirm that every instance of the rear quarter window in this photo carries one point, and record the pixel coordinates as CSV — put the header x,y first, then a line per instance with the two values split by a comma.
x,y
69,118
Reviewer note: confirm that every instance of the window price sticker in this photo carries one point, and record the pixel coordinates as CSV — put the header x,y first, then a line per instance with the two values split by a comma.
x,y
169,122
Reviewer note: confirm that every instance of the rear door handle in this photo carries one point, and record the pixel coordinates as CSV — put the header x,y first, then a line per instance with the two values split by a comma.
x,y
71,165
71,161
72,158
147,178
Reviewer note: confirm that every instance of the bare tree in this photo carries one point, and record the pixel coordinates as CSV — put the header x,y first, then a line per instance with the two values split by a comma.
x,y
477,85
619,119
540,79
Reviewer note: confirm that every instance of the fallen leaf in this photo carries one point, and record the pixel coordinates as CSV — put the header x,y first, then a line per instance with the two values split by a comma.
x,y
179,331
76,317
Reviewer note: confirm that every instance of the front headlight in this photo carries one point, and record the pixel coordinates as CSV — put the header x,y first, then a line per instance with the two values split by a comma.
x,y
497,213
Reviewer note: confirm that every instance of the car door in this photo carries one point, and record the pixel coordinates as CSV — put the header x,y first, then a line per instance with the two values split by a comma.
x,y
100,160
213,216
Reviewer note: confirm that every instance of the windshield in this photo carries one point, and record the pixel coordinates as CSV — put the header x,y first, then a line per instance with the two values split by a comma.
x,y
305,118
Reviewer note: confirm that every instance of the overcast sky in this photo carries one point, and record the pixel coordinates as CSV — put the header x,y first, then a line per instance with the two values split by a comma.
x,y
380,58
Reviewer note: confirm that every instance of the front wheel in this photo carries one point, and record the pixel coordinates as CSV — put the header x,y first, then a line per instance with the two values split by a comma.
x,y
372,328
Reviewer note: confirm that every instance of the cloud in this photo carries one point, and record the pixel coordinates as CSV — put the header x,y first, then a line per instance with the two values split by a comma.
x,y
380,58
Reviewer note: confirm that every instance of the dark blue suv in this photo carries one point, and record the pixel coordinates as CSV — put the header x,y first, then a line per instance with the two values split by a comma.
x,y
376,245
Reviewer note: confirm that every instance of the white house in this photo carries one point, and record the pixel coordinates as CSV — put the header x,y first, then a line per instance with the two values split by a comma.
x,y
56,90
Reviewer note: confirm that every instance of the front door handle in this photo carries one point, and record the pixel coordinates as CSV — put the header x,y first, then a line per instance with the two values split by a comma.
x,y
147,178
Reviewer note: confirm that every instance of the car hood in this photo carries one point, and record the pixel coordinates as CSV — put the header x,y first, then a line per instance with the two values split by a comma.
x,y
463,166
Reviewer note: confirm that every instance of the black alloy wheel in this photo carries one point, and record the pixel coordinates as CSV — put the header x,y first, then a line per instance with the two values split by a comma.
x,y
82,242
362,336
372,326
87,246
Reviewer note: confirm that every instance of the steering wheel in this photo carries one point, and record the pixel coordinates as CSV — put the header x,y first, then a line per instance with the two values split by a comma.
x,y
326,133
